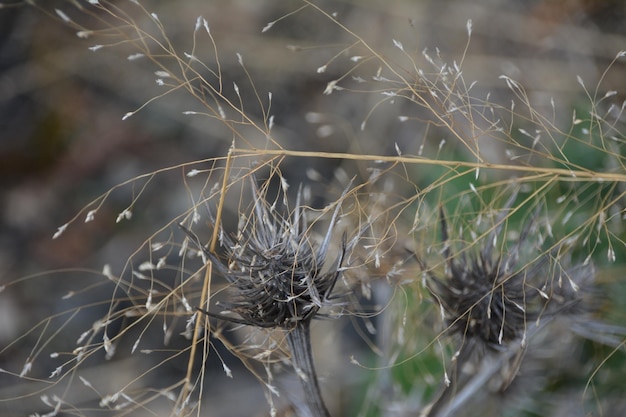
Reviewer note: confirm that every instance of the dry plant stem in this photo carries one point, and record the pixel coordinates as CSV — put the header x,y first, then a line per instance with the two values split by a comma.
x,y
204,298
220,203
453,397
578,175
206,285
299,339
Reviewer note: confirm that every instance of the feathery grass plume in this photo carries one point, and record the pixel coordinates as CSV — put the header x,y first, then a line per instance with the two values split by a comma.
x,y
281,277
494,302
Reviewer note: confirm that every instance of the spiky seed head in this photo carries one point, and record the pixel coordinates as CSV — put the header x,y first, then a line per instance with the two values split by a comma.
x,y
276,265
490,296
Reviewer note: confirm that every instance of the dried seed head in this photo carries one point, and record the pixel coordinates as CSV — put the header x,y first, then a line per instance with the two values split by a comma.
x,y
490,296
484,296
496,300
280,278
277,268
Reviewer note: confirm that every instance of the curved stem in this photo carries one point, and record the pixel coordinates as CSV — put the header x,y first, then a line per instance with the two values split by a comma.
x,y
299,340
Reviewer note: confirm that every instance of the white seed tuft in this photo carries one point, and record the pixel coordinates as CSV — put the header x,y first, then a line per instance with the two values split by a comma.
x,y
59,231
85,382
132,350
91,214
611,255
190,57
157,246
63,16
161,263
146,266
332,85
26,368
106,271
227,370
126,214
56,372
82,337
267,27
84,34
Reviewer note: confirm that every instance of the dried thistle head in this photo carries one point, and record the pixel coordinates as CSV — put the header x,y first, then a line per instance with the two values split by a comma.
x,y
489,297
276,265
497,300
281,278
484,295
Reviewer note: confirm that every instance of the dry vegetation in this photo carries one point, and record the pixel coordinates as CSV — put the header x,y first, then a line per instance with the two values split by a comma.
x,y
313,208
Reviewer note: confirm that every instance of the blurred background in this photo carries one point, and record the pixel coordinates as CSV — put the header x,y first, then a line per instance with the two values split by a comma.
x,y
63,141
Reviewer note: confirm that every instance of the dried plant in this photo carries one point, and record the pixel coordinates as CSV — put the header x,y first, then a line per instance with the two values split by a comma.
x,y
509,194
494,302
281,278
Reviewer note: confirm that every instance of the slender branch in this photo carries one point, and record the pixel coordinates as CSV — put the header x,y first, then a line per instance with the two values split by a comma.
x,y
220,203
578,174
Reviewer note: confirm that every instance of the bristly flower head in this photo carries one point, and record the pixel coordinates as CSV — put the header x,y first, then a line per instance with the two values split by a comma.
x,y
281,280
489,297
277,267
495,300
485,296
